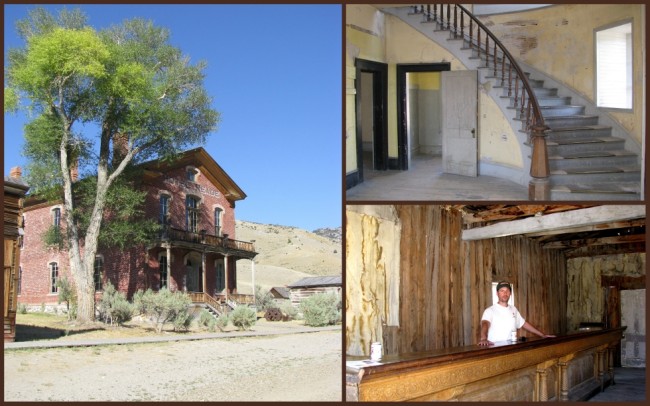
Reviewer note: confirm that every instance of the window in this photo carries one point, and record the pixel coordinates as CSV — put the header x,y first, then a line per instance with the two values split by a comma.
x,y
192,174
54,277
163,271
218,212
20,279
192,213
221,276
164,208
56,217
614,67
99,272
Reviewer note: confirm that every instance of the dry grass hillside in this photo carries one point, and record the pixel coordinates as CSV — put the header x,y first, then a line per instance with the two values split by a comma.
x,y
287,254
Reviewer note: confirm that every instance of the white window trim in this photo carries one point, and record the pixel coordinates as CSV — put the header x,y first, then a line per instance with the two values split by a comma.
x,y
595,50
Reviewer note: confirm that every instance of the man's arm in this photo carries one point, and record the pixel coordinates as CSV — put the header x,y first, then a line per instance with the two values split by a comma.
x,y
485,326
529,327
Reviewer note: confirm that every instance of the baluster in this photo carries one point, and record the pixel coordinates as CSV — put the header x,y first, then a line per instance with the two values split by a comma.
x,y
523,100
471,33
462,25
495,59
449,16
428,12
503,68
455,21
487,50
516,91
435,12
478,42
530,104
510,80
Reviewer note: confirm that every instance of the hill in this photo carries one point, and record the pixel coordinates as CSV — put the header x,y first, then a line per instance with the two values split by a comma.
x,y
287,254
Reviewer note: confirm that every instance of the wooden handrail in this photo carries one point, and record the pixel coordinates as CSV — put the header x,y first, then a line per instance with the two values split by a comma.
x,y
526,103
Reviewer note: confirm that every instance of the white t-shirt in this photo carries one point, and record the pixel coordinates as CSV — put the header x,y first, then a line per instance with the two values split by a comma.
x,y
502,321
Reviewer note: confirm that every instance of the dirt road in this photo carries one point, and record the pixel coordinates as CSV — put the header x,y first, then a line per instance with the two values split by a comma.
x,y
293,367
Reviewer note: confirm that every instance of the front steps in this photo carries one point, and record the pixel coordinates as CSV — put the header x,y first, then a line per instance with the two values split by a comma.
x,y
585,161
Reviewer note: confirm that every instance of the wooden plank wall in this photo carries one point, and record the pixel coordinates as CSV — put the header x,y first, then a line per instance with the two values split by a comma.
x,y
446,282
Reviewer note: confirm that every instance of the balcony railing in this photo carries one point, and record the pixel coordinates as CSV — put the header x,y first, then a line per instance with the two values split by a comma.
x,y
174,234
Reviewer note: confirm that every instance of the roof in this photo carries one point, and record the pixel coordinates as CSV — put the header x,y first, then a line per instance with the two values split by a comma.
x,y
15,186
282,291
200,159
317,281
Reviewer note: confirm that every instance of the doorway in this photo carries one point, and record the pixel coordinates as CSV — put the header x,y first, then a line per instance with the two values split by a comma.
x,y
419,108
193,273
371,116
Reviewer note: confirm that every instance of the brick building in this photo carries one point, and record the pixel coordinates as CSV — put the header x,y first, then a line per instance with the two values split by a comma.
x,y
194,198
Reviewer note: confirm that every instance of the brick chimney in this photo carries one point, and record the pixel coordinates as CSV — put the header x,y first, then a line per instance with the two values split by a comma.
x,y
74,171
16,172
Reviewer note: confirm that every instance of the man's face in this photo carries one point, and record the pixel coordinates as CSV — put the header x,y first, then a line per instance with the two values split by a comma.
x,y
503,295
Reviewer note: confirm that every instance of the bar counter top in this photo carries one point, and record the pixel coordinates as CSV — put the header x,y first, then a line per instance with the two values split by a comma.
x,y
364,376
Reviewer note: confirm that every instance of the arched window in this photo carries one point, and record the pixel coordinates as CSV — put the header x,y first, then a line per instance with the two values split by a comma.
x,y
54,277
56,217
99,272
164,209
192,213
218,214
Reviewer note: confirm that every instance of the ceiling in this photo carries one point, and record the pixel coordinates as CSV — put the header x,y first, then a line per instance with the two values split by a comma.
x,y
578,230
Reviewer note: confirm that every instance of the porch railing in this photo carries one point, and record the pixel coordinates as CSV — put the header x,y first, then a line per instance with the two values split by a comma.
x,y
217,303
169,233
462,24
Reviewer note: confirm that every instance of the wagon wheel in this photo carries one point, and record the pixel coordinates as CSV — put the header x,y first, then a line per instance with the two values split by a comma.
x,y
273,314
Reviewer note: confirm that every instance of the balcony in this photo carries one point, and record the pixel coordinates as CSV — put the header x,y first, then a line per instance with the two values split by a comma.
x,y
209,243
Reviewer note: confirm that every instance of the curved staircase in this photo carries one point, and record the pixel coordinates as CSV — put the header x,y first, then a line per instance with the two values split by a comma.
x,y
585,161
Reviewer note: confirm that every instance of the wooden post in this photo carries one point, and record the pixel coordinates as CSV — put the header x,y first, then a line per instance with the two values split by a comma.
x,y
203,272
169,267
614,316
564,380
225,267
538,187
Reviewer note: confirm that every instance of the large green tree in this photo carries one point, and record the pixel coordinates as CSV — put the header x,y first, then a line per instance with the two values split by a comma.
x,y
100,102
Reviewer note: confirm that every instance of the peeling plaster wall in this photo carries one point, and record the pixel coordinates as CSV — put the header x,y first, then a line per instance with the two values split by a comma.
x,y
586,297
559,41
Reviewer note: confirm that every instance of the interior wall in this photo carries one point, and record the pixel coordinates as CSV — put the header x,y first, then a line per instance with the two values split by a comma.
x,y
559,40
366,113
444,282
424,111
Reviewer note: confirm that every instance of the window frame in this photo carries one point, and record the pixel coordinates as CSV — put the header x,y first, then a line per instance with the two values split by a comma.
x,y
218,221
56,216
54,277
192,214
98,277
162,268
164,208
631,67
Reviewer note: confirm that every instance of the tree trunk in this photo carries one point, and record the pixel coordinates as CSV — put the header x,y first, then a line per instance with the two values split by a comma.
x,y
86,301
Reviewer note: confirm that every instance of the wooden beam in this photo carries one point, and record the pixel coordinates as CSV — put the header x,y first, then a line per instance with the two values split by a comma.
x,y
557,221
590,228
583,242
605,250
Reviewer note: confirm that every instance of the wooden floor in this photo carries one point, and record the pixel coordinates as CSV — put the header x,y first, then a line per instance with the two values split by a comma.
x,y
425,181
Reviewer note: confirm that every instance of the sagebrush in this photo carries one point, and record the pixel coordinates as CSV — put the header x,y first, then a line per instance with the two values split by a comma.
x,y
243,317
113,306
321,309
164,307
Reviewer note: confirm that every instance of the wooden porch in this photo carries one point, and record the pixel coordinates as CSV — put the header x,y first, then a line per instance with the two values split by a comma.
x,y
208,243
221,301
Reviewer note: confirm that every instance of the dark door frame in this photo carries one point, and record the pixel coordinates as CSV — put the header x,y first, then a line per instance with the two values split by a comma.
x,y
379,73
402,130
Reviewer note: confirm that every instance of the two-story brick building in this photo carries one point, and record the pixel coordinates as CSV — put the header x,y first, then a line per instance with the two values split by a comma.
x,y
196,252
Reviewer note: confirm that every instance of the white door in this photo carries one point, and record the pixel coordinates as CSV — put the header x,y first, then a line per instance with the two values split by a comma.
x,y
459,117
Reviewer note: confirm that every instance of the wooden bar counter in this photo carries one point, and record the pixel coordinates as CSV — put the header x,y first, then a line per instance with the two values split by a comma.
x,y
568,367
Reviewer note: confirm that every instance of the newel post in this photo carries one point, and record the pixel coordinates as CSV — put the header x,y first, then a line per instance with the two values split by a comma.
x,y
539,187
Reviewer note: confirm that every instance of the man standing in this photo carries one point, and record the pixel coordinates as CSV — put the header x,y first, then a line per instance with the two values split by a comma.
x,y
500,319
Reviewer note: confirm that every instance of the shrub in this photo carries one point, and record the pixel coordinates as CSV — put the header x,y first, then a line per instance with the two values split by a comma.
x,y
113,307
222,321
263,300
67,294
243,317
22,308
321,309
207,320
164,307
290,310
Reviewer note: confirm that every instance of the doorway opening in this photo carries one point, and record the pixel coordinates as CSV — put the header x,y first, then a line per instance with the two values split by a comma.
x,y
419,109
371,118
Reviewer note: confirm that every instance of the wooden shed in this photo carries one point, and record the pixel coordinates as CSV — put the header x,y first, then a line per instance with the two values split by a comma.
x,y
309,286
14,193
418,278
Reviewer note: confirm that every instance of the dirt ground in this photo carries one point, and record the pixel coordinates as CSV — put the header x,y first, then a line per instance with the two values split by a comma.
x,y
290,367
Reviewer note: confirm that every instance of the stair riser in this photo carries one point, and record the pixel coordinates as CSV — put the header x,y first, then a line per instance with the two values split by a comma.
x,y
539,91
586,147
578,133
560,101
571,122
598,162
595,178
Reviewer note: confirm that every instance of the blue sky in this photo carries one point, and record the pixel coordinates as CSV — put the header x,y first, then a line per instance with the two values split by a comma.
x,y
274,72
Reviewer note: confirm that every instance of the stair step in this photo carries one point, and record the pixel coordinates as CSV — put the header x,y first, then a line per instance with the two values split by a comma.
x,y
571,121
596,170
595,154
606,191
561,111
558,141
